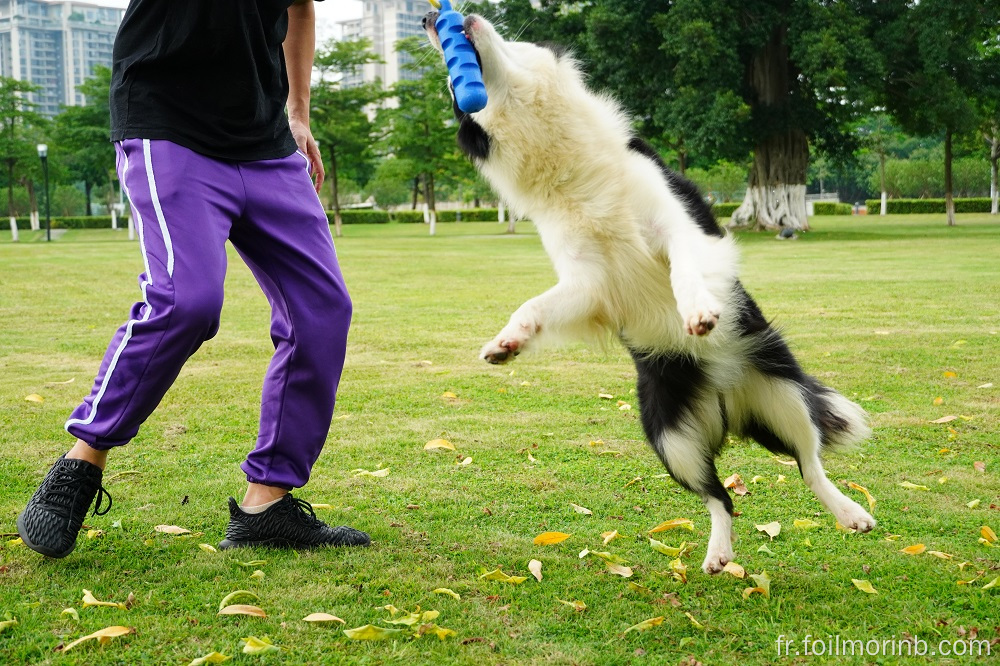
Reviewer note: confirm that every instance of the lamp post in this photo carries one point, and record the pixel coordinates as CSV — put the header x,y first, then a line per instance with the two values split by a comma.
x,y
43,153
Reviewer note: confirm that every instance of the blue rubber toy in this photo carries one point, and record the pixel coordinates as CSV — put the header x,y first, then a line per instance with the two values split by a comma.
x,y
463,68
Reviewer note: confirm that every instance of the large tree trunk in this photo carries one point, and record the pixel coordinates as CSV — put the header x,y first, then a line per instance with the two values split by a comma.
x,y
34,217
335,192
88,186
776,189
949,199
429,198
416,192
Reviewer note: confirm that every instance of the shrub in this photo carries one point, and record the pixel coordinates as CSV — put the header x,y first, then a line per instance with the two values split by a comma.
x,y
722,210
832,208
360,216
84,222
925,206
469,215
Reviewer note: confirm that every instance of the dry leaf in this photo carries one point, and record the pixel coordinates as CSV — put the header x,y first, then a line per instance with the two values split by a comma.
x,y
945,419
771,529
427,628
805,523
939,400
678,570
673,524
208,548
370,632
641,589
550,538
913,486
993,583
498,575
979,466
448,395
735,570
379,473
449,592
694,621
464,461
948,374
90,600
578,606
103,636
868,495
72,613
763,585
238,595
34,397
864,586
646,624
736,483
535,567
254,645
322,506
609,536
986,385
171,529
606,396
8,624
242,609
939,554
973,504
210,658
915,549
988,533
436,444
581,509
322,618
257,574
619,570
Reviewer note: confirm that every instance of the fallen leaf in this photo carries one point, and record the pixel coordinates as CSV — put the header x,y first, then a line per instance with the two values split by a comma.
x,y
735,570
254,645
771,529
988,533
440,632
789,463
608,557
379,473
993,583
252,564
641,589
436,444
646,624
498,575
864,586
938,400
805,523
34,397
763,585
578,606
550,538
781,479
449,592
581,509
238,595
321,506
322,618
986,385
979,466
72,613
756,478
208,548
913,486
606,396
680,551
535,567
939,554
242,609
673,524
678,570
609,536
619,570
973,504
448,395
171,529
695,622
893,537
948,374
915,549
464,461
257,574
90,600
863,490
945,419
8,624
736,483
210,658
764,549
370,632
103,636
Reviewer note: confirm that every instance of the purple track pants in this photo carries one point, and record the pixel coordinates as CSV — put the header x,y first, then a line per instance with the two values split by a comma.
x,y
185,206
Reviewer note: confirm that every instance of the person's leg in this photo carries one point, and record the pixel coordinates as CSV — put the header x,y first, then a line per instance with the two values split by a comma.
x,y
183,212
284,237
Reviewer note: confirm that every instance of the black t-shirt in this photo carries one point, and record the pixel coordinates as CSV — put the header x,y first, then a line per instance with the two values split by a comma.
x,y
206,74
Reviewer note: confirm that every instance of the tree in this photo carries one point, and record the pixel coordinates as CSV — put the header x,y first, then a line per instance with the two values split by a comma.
x,y
17,116
82,135
878,134
339,118
419,129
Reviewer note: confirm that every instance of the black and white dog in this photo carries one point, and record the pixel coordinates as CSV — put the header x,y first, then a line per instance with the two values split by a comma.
x,y
639,256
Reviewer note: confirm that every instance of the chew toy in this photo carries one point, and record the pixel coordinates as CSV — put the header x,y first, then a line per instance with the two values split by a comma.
x,y
463,68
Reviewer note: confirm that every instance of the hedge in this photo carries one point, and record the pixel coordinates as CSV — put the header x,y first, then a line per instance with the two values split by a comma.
x,y
360,216
85,222
721,210
832,208
919,206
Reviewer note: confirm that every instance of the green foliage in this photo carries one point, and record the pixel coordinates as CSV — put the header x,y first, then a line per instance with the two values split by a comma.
x,y
724,210
86,222
832,208
360,216
927,206
723,181
920,179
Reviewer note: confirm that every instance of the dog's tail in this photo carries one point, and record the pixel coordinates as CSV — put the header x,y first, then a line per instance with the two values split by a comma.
x,y
842,423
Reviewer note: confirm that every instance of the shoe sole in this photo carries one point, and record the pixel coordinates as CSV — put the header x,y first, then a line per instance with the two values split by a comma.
x,y
226,544
47,552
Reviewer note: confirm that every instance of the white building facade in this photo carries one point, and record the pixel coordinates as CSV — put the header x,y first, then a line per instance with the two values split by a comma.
x,y
383,23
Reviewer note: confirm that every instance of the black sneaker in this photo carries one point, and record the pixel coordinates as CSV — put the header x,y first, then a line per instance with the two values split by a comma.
x,y
55,513
289,523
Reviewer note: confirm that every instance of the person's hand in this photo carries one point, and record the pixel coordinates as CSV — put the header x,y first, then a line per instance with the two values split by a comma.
x,y
307,144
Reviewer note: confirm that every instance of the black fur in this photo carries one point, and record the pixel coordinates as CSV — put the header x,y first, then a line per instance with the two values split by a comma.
x,y
472,138
683,189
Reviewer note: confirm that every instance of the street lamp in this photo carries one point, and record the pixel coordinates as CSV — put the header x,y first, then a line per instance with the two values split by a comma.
x,y
43,153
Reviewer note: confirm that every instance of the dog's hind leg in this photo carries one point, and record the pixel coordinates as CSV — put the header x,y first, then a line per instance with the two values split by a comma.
x,y
684,422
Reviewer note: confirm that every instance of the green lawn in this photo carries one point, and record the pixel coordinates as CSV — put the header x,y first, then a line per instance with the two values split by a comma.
x,y
894,312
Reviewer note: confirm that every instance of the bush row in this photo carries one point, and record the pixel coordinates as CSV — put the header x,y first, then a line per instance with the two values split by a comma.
x,y
915,206
832,208
722,210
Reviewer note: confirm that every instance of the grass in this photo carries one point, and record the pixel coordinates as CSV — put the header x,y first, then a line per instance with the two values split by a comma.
x,y
880,309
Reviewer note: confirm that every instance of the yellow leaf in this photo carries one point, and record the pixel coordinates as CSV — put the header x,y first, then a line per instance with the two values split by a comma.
x,y
578,606
619,570
258,574
646,624
756,478
944,419
993,583
210,658
864,586
254,645
436,444
322,618
238,595
750,590
973,504
34,397
641,589
440,632
465,461
893,537
913,486
764,549
535,567
736,483
496,574
95,534
771,529
610,453
16,542
939,400
949,374
448,395
915,549
939,554
986,542
694,621
8,624
370,632
321,506
252,564
171,529
988,533
208,548
868,495
943,479
633,481
550,538
72,613
735,569
242,609
449,592
606,396
673,524
781,478
103,636
763,585
805,523
90,600
678,570
609,536
581,509
379,473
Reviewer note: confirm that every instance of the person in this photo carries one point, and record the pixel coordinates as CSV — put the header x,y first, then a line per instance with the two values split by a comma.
x,y
205,153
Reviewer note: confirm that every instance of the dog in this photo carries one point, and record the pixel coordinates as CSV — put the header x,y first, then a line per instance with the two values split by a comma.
x,y
639,256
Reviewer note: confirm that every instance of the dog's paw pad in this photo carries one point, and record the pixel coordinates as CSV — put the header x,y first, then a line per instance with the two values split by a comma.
x,y
855,518
702,323
716,562
500,351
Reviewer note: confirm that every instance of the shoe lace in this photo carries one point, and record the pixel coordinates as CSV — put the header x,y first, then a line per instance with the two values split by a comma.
x,y
305,513
63,489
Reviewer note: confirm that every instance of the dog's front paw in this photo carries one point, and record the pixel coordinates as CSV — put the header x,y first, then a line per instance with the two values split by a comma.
x,y
852,516
500,350
702,316
717,559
